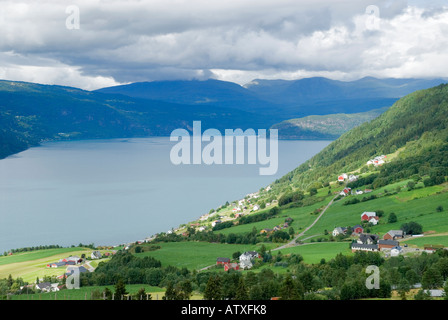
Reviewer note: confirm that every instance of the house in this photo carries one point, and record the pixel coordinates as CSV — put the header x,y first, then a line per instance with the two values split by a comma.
x,y
396,251
393,234
339,230
221,260
246,259
214,223
358,229
345,192
374,220
358,192
435,293
95,255
387,244
266,231
367,190
342,177
432,247
363,247
56,264
231,266
255,208
366,215
366,238
44,286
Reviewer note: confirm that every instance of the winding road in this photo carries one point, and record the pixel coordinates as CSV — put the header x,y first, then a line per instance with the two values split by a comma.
x,y
293,243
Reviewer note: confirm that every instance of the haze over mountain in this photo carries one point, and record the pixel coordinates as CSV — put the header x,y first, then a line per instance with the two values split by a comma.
x,y
284,98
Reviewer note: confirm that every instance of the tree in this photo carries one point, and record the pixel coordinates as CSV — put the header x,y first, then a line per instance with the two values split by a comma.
x,y
439,209
242,293
120,290
392,218
170,293
213,290
236,255
290,289
410,185
107,294
142,295
432,278
412,228
185,290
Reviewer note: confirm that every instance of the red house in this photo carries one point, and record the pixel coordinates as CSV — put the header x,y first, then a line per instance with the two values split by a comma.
x,y
366,216
231,266
358,229
221,260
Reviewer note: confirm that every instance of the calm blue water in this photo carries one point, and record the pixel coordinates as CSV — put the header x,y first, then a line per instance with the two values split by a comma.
x,y
109,192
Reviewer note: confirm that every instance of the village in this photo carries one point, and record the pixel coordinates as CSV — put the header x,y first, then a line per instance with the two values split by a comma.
x,y
70,265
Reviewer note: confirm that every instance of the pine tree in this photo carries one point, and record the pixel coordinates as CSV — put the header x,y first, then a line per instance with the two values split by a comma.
x,y
213,290
120,290
242,293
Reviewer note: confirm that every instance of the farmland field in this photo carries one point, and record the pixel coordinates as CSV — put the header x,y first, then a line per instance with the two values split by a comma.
x,y
31,265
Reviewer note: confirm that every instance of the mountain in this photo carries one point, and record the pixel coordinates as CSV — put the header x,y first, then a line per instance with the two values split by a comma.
x,y
319,96
414,132
31,113
323,127
195,92
281,99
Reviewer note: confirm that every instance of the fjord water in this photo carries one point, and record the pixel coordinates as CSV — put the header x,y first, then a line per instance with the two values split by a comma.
x,y
110,192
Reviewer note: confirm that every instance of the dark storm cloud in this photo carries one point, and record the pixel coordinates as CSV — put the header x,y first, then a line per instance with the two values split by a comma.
x,y
127,41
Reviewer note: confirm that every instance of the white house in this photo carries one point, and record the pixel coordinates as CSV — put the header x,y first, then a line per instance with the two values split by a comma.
x,y
95,255
396,251
246,259
255,208
374,220
339,230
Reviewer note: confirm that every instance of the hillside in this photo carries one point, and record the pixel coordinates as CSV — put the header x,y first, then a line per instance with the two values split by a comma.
x,y
415,128
328,127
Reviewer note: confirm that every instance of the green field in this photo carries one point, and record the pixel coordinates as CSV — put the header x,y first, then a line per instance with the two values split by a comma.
x,y
85,293
417,205
437,240
314,252
30,265
196,255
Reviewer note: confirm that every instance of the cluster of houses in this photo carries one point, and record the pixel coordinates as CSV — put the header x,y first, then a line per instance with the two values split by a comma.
x,y
348,191
70,261
344,177
371,242
377,161
268,231
246,261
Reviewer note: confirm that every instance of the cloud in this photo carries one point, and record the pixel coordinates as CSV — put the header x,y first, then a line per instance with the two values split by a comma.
x,y
235,40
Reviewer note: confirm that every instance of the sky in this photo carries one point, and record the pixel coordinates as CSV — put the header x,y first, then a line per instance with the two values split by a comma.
x,y
92,44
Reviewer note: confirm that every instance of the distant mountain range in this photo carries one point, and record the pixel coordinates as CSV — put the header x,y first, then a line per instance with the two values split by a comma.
x,y
31,113
283,99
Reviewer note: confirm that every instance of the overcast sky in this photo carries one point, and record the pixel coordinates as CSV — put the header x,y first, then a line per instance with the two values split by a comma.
x,y
234,40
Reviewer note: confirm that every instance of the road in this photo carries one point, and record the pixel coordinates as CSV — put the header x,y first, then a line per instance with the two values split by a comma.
x,y
293,243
